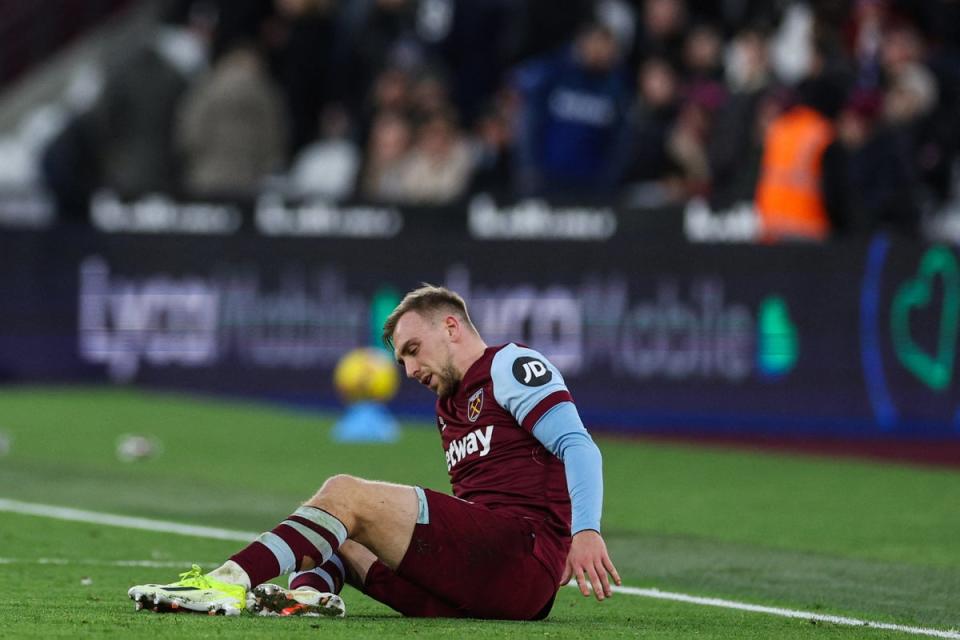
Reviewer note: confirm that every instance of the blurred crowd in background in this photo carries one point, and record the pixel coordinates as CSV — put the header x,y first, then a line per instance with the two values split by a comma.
x,y
834,117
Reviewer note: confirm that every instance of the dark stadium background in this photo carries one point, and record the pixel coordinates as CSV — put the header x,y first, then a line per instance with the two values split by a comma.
x,y
225,196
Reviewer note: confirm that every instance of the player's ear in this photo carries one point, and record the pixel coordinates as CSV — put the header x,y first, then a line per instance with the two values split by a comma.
x,y
452,326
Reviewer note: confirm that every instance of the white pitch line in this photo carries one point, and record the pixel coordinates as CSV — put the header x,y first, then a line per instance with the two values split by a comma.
x,y
148,564
784,613
94,517
146,524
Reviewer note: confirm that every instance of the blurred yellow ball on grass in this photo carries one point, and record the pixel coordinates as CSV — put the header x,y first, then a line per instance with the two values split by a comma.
x,y
366,380
366,375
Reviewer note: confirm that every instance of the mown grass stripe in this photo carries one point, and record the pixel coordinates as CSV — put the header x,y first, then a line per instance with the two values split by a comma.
x,y
93,517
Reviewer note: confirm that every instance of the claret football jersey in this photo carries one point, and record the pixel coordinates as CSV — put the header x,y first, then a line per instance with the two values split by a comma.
x,y
486,427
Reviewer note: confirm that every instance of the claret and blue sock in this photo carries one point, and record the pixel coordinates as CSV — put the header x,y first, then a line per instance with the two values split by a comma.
x,y
309,532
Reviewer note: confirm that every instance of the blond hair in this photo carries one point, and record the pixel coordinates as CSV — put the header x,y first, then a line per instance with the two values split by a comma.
x,y
426,300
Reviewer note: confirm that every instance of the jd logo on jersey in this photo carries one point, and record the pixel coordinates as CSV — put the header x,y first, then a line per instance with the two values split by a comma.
x,y
531,372
475,405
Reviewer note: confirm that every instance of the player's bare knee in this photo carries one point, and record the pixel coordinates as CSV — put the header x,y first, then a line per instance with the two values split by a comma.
x,y
340,484
337,491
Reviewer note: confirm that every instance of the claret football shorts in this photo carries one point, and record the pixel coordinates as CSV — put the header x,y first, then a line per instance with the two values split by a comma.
x,y
466,560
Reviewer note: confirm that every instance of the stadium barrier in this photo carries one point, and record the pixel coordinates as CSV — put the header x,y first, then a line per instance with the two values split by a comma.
x,y
651,332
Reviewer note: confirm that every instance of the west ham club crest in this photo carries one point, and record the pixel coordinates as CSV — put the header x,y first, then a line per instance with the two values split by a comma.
x,y
475,405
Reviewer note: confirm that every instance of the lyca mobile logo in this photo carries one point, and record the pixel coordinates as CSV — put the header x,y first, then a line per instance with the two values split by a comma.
x,y
778,342
910,330
301,319
932,368
678,331
159,319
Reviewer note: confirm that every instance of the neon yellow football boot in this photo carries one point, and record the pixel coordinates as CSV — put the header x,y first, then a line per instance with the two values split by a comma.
x,y
193,593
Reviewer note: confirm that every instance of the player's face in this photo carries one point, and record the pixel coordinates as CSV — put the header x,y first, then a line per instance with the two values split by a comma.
x,y
422,348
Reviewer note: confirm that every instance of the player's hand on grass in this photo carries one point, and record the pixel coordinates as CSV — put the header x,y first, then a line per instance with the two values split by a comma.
x,y
588,561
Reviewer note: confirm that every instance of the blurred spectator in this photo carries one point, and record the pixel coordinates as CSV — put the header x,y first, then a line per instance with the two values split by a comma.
x,y
301,46
429,94
797,192
702,54
864,30
687,147
240,20
70,167
132,121
493,149
438,168
911,89
698,118
703,68
620,16
390,91
704,93
472,38
231,128
327,168
882,186
791,46
572,123
385,158
651,174
736,141
747,66
918,109
735,15
540,28
371,36
660,32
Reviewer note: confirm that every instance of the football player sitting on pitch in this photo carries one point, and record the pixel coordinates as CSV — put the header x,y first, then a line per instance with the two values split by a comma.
x,y
526,516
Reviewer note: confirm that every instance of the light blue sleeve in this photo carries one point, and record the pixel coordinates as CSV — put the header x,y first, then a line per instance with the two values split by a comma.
x,y
522,379
561,431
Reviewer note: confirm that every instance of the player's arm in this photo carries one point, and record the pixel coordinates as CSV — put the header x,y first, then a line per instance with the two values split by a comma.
x,y
562,433
528,386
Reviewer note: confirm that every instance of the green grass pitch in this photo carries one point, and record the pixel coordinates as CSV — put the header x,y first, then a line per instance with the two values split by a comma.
x,y
874,541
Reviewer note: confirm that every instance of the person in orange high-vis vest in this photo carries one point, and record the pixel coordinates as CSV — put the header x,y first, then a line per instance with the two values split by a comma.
x,y
789,196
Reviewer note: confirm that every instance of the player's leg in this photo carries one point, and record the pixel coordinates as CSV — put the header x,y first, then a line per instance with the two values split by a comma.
x,y
483,561
357,560
429,554
462,560
368,574
309,593
403,596
349,565
379,515
436,555
313,592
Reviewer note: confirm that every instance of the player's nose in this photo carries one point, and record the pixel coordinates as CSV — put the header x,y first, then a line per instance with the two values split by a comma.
x,y
410,368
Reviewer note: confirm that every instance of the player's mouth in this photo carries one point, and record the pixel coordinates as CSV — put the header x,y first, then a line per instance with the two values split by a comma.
x,y
426,381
